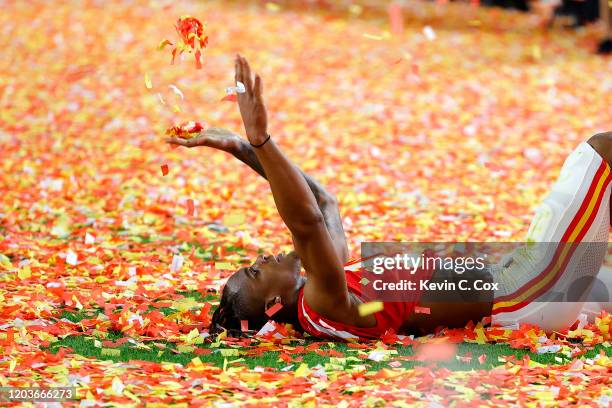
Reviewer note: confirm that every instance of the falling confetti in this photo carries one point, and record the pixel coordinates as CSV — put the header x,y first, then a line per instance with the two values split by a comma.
x,y
406,153
148,82
164,169
191,39
366,309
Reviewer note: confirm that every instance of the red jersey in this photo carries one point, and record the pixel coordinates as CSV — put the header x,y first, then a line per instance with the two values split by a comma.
x,y
393,315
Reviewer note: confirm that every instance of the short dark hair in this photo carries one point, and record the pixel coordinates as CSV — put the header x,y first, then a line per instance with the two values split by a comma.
x,y
229,314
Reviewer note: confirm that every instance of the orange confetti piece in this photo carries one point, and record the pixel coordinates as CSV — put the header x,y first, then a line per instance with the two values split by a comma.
x,y
436,351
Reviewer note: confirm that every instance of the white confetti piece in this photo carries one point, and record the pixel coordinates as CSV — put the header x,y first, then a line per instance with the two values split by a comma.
x,y
240,88
71,258
177,263
429,33
117,386
549,349
89,239
377,355
177,91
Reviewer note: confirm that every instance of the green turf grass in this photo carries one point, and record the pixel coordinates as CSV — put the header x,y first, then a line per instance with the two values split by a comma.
x,y
85,346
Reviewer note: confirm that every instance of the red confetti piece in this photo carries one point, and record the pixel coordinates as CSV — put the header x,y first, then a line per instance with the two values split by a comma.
x,y
198,59
230,98
244,325
436,351
422,310
274,309
164,169
396,18
185,130
191,38
190,207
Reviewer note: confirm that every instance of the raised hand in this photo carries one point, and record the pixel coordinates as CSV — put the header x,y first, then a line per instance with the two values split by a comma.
x,y
251,103
216,138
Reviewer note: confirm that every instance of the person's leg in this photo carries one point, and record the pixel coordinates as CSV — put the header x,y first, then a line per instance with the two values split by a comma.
x,y
575,217
605,46
600,297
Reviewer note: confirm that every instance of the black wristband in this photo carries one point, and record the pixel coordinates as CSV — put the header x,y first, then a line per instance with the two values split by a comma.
x,y
259,145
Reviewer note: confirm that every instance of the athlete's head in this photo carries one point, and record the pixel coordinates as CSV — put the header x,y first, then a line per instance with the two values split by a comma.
x,y
251,290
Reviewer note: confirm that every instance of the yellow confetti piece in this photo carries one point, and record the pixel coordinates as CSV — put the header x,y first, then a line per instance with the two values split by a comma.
x,y
536,52
24,273
182,348
234,219
229,352
147,80
373,37
302,370
273,7
111,352
224,266
366,309
355,9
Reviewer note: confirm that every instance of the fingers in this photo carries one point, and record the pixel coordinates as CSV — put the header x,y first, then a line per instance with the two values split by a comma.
x,y
181,142
246,76
258,89
237,74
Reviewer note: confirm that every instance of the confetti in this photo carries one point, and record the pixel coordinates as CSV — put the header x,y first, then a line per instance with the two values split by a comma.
x,y
164,169
186,130
177,91
190,207
271,311
396,18
436,351
71,258
429,33
366,309
89,239
244,325
461,123
191,39
230,98
177,263
148,82
224,266
234,219
421,310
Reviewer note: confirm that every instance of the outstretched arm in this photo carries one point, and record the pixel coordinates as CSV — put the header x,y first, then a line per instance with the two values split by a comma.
x,y
294,199
227,141
328,204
